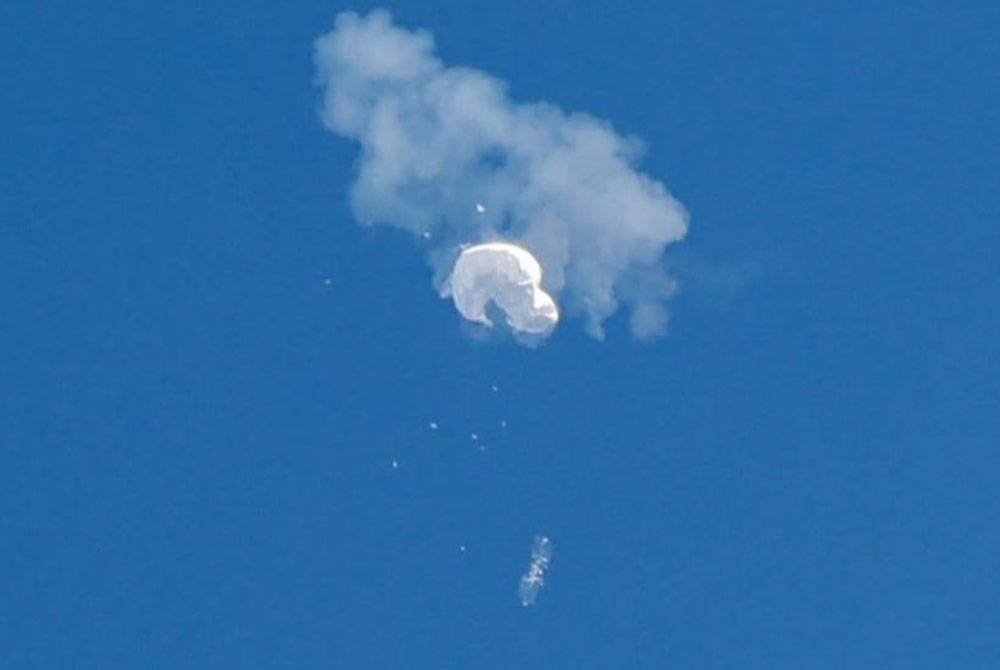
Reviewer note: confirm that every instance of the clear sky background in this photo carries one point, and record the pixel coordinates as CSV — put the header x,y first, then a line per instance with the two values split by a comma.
x,y
207,368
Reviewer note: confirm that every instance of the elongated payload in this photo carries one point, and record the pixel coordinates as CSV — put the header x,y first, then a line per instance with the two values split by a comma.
x,y
533,580
507,276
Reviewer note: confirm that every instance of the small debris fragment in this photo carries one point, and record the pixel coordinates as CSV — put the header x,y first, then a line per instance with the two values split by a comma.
x,y
433,425
480,208
395,465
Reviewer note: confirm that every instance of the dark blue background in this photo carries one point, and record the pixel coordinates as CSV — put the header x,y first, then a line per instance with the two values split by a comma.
x,y
197,429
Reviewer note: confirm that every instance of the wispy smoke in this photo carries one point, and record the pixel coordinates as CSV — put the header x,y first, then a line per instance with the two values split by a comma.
x,y
436,141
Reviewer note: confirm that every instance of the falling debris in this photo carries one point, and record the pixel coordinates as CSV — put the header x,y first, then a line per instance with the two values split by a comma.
x,y
426,235
475,437
327,281
433,425
503,423
462,548
395,465
480,208
533,580
494,388
507,276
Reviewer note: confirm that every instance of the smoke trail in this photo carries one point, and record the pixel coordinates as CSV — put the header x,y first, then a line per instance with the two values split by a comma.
x,y
437,141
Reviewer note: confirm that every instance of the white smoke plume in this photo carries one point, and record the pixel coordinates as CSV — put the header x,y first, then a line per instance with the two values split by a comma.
x,y
447,156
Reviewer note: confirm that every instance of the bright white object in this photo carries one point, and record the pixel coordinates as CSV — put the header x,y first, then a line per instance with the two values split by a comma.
x,y
509,277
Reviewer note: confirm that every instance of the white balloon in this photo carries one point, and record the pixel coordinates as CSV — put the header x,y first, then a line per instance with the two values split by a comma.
x,y
509,277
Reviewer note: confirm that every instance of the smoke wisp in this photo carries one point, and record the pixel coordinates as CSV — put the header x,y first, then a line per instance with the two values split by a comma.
x,y
437,140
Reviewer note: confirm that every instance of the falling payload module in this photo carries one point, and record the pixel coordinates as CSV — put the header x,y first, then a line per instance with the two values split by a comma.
x,y
534,578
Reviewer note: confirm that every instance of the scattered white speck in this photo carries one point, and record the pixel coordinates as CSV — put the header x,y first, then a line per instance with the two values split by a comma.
x,y
480,208
475,437
462,548
482,447
426,234
328,281
495,388
395,465
503,423
433,425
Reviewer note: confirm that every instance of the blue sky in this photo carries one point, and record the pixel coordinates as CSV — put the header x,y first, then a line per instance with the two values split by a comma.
x,y
197,429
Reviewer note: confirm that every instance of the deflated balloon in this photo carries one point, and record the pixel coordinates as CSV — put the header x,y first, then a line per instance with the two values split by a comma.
x,y
507,276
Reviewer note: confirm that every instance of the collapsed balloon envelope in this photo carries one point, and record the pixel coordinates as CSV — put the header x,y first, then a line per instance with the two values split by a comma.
x,y
507,276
